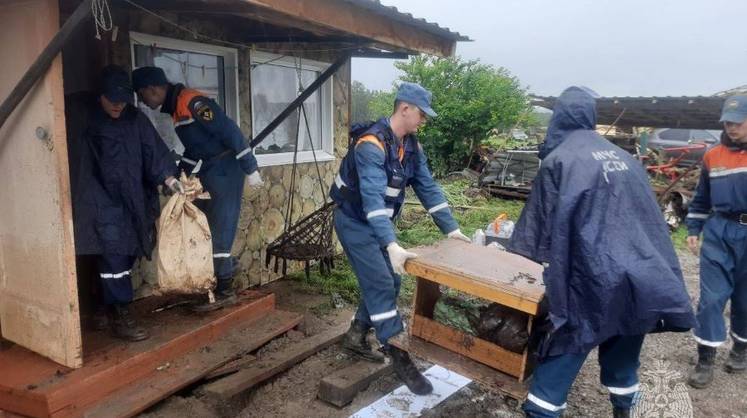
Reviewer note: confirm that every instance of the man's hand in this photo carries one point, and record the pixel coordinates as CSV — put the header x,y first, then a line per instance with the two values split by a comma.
x,y
398,256
255,179
174,185
692,244
457,234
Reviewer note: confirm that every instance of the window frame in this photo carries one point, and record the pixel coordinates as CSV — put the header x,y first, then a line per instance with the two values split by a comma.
x,y
230,64
326,153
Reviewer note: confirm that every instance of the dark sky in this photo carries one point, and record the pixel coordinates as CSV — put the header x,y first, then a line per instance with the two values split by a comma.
x,y
618,48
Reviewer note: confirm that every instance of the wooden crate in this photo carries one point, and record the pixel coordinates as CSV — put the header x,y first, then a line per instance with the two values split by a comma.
x,y
496,276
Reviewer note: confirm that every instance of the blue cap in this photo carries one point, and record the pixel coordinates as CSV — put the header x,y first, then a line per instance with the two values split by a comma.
x,y
148,76
415,94
735,109
115,85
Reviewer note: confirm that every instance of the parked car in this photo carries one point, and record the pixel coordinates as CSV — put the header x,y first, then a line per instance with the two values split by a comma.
x,y
671,138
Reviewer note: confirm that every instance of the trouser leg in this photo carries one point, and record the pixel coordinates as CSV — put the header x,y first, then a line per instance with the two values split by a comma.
x,y
114,275
619,363
551,382
716,285
379,288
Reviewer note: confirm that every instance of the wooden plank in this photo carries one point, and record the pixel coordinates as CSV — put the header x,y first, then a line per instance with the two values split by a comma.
x,y
341,387
194,366
484,375
327,15
34,386
467,345
426,296
265,368
38,284
498,276
231,367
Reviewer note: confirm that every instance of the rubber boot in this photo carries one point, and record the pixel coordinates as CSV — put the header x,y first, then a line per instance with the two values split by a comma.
x,y
620,413
224,297
702,375
737,361
124,325
356,342
407,372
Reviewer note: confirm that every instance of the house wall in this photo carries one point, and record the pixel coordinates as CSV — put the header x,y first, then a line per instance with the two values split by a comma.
x,y
263,210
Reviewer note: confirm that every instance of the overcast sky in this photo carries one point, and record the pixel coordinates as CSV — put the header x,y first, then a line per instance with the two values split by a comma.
x,y
618,48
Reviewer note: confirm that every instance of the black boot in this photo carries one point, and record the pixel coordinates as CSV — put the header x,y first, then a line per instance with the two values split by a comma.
x,y
737,361
356,342
702,375
100,319
620,413
124,325
407,372
224,297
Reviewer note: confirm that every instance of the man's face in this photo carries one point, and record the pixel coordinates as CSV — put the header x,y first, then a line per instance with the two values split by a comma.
x,y
737,132
152,96
113,109
414,117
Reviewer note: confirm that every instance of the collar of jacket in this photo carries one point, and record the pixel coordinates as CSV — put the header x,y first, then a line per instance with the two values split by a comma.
x,y
172,94
728,143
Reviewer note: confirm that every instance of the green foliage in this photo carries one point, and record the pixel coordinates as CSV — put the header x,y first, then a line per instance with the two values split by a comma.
x,y
370,104
470,99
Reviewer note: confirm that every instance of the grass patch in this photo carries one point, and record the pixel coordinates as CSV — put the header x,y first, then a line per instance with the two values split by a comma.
x,y
341,281
679,237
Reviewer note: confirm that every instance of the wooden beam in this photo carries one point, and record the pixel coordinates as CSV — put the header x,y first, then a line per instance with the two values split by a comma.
x,y
264,369
347,17
43,61
341,387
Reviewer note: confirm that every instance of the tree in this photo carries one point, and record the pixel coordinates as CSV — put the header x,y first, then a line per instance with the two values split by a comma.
x,y
471,99
361,97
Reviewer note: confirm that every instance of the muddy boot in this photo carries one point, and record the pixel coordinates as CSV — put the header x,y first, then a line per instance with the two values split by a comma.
x,y
356,342
407,372
620,413
737,361
223,298
702,375
100,319
124,325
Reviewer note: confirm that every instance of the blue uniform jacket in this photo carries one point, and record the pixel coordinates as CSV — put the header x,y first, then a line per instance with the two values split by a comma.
x,y
592,218
116,166
721,187
207,133
373,176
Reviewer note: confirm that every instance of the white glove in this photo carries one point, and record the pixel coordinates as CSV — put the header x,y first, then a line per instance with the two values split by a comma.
x,y
255,179
175,185
457,234
398,256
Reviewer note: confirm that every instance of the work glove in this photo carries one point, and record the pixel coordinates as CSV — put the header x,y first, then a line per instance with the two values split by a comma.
x,y
175,185
457,234
255,179
398,256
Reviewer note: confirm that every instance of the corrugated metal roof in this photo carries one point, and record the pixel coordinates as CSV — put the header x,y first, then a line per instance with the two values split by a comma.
x,y
407,18
690,112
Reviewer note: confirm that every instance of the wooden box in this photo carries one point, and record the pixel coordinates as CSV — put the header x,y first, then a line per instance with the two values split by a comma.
x,y
485,272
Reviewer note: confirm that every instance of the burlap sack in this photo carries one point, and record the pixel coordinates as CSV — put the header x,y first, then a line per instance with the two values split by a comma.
x,y
185,251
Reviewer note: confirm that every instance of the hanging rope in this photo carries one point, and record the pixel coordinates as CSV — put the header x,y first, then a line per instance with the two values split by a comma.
x,y
102,17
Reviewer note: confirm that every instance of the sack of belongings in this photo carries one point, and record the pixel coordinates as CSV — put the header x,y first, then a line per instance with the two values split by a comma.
x,y
185,251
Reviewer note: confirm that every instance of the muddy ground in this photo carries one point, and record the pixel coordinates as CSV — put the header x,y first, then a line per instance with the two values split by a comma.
x,y
665,362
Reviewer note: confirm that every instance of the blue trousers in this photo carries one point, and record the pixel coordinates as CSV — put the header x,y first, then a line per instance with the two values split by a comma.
x,y
553,377
225,182
378,282
114,274
723,277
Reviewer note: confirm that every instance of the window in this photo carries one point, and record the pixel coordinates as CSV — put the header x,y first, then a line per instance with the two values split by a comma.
x,y
208,68
276,81
702,136
682,135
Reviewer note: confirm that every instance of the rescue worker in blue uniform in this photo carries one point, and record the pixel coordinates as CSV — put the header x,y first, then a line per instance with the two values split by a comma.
x,y
117,162
611,273
383,159
719,211
207,134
